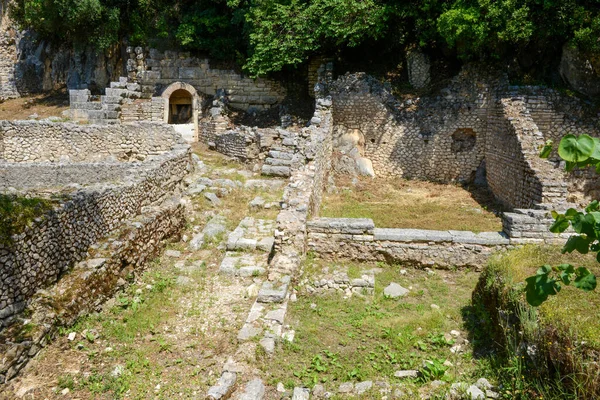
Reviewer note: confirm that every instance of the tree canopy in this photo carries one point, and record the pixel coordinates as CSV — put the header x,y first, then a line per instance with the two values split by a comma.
x,y
265,36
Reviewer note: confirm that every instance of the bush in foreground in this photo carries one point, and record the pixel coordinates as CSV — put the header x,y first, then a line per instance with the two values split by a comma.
x,y
555,348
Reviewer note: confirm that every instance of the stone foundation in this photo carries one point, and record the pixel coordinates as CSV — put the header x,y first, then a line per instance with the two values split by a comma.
x,y
88,285
358,240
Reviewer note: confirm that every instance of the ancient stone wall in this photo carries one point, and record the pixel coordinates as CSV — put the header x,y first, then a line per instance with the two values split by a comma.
x,y
87,286
50,246
438,138
29,141
511,175
8,54
358,239
160,69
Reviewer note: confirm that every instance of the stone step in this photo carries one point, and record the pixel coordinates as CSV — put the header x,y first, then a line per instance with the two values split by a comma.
x,y
272,170
278,162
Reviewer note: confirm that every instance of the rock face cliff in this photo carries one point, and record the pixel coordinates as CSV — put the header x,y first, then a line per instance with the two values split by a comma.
x,y
8,55
31,65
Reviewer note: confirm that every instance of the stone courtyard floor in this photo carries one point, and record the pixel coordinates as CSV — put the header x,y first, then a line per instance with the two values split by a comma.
x,y
360,330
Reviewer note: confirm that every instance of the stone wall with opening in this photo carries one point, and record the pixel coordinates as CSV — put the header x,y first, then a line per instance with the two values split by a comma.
x,y
440,138
476,129
157,70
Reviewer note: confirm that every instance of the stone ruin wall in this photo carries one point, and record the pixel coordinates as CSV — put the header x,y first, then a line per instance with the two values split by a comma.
x,y
88,285
52,244
476,125
29,141
413,139
358,239
510,174
160,69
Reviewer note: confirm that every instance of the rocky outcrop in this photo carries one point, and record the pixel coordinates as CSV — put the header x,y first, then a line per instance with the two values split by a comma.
x,y
579,71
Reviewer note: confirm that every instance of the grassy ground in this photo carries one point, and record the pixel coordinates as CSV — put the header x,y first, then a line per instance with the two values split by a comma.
x,y
369,338
562,336
401,203
572,309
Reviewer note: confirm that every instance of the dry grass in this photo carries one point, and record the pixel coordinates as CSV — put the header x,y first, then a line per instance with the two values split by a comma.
x,y
401,203
44,105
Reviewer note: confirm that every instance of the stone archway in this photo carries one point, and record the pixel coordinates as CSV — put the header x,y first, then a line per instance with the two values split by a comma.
x,y
182,103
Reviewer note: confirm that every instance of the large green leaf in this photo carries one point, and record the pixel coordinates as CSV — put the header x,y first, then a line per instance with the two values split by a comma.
x,y
596,151
538,288
579,243
584,280
566,270
576,149
561,223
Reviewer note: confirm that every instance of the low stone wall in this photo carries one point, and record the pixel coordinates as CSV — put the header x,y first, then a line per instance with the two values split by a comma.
x,y
87,286
531,226
49,175
51,245
358,239
29,141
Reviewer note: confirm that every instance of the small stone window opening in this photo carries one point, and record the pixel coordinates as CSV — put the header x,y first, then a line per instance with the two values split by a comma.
x,y
463,139
180,107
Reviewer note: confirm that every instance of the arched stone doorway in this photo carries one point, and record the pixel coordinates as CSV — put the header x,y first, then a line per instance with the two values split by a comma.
x,y
181,109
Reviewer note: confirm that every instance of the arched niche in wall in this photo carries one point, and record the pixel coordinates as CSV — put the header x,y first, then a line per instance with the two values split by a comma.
x,y
182,103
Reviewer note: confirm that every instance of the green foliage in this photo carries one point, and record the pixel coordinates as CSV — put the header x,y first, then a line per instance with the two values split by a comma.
x,y
547,282
433,370
269,35
578,151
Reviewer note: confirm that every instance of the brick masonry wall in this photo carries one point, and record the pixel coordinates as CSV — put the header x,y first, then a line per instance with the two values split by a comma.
x,y
439,138
51,245
475,124
29,141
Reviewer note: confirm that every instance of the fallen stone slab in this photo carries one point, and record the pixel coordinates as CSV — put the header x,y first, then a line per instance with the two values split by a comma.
x,y
394,290
409,373
223,387
213,198
301,393
248,331
255,390
274,293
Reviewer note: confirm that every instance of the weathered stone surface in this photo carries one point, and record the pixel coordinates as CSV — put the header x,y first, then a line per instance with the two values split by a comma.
x,y
224,386
213,198
255,390
406,374
362,387
394,290
301,393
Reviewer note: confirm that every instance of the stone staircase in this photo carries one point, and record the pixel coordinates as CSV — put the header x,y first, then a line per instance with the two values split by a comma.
x,y
106,109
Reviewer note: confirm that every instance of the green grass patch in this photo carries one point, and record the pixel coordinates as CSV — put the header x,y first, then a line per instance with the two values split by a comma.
x,y
563,332
371,337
